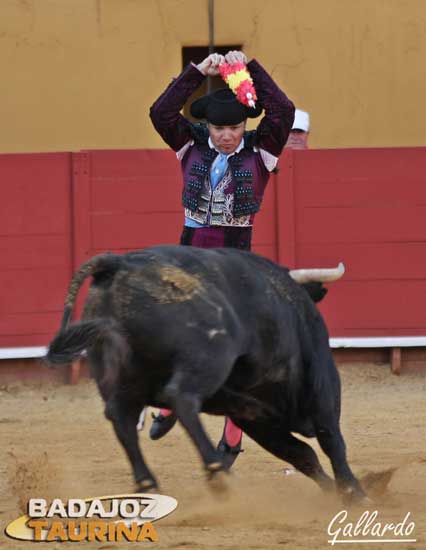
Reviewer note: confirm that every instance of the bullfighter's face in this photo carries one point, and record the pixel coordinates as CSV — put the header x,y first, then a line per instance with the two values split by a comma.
x,y
227,138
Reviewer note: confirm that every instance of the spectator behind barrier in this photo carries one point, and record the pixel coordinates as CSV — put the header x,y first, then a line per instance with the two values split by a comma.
x,y
298,138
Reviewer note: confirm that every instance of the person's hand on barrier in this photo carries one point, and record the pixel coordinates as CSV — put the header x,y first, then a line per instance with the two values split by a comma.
x,y
210,65
235,56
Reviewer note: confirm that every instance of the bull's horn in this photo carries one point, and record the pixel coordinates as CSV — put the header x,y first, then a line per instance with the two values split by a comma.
x,y
318,275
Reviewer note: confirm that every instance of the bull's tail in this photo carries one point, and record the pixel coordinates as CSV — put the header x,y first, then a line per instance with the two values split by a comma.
x,y
69,344
103,263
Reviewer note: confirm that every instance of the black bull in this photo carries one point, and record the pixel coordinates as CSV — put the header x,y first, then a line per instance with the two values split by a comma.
x,y
220,331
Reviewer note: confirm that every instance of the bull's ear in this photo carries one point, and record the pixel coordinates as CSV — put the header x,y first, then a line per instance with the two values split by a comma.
x,y
315,290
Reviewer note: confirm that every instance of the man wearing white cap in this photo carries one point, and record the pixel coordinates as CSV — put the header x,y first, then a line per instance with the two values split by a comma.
x,y
298,138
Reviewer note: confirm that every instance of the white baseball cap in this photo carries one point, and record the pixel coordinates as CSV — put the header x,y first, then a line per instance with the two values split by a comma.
x,y
301,121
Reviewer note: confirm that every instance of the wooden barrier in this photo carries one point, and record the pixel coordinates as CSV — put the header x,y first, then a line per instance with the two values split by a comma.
x,y
365,207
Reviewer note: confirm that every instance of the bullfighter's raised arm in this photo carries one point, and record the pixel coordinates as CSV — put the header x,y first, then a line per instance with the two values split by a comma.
x,y
173,127
274,128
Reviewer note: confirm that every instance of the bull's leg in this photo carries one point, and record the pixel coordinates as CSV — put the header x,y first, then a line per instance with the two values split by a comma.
x,y
106,361
187,407
332,443
274,438
189,386
326,416
124,418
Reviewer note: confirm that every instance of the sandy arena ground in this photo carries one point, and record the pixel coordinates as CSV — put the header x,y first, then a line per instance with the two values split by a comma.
x,y
55,443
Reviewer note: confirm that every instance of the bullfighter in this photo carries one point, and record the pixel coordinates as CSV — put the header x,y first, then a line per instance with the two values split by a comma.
x,y
225,169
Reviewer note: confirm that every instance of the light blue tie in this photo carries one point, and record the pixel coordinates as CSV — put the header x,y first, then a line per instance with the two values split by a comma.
x,y
218,169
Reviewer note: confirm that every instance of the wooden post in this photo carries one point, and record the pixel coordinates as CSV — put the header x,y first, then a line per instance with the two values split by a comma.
x,y
81,240
286,211
396,362
75,372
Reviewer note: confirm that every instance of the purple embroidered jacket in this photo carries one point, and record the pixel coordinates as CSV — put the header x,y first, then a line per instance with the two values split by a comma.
x,y
238,197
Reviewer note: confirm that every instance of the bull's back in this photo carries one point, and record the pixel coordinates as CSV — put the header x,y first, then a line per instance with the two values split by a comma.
x,y
167,295
186,275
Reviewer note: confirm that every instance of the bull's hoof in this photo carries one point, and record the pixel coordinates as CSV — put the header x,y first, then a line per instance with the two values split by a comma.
x,y
146,485
218,482
354,496
214,467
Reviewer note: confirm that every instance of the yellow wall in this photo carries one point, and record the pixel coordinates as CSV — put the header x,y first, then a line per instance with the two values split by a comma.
x,y
82,73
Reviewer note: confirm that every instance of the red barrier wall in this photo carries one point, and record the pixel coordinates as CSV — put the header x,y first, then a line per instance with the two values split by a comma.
x,y
35,245
366,207
132,199
363,206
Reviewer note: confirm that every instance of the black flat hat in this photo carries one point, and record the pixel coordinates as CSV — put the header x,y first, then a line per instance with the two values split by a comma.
x,y
222,108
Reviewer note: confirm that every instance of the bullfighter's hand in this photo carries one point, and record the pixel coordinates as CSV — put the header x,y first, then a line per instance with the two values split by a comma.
x,y
235,56
210,65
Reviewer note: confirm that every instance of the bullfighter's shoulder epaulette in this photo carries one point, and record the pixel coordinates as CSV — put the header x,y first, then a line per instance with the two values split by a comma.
x,y
200,132
250,139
